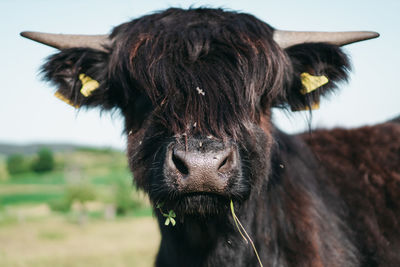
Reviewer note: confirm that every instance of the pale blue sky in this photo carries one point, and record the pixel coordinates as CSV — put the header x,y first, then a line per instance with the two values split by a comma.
x,y
30,113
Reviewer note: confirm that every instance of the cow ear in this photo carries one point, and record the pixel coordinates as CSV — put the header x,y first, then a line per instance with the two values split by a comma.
x,y
80,74
317,70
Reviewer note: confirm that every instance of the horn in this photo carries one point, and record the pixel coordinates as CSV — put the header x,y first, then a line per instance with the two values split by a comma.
x,y
63,41
290,38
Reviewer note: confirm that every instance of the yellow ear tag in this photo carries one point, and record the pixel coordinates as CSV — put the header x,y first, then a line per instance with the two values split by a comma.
x,y
88,85
66,100
310,82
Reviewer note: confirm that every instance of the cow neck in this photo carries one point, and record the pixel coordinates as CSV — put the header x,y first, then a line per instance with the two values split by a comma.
x,y
303,212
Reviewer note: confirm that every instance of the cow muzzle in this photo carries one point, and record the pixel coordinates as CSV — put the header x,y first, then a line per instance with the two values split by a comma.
x,y
207,168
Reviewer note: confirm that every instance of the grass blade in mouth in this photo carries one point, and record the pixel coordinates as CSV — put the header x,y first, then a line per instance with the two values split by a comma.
x,y
245,236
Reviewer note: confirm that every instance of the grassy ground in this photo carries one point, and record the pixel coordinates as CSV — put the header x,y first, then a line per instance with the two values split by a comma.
x,y
33,235
57,242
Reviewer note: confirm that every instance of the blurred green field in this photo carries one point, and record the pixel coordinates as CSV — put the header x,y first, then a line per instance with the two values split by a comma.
x,y
107,222
100,169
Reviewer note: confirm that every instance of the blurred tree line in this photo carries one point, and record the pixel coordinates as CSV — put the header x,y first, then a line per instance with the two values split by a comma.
x,y
42,162
80,176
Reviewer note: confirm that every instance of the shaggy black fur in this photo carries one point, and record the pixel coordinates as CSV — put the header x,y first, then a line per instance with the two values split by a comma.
x,y
161,61
364,167
184,77
293,217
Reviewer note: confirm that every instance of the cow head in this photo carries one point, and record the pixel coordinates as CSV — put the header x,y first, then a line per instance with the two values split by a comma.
x,y
196,88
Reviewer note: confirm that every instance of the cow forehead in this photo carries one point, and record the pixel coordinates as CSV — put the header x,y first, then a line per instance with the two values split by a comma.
x,y
206,67
198,43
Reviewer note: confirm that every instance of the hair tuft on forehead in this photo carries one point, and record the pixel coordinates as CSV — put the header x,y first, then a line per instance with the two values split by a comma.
x,y
214,68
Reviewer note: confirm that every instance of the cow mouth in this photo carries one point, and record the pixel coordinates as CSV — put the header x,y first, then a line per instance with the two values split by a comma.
x,y
198,204
210,194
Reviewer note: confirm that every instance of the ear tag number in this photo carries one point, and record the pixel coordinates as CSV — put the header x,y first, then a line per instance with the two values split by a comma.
x,y
88,85
311,83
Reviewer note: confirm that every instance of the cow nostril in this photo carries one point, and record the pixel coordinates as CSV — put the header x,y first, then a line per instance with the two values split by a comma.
x,y
223,163
180,165
226,164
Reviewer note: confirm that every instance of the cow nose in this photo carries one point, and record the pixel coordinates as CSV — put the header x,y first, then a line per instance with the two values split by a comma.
x,y
197,171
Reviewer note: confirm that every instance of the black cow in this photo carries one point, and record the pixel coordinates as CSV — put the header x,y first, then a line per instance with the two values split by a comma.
x,y
196,88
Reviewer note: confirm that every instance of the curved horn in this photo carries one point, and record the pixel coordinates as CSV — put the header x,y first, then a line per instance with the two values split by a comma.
x,y
290,38
63,41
